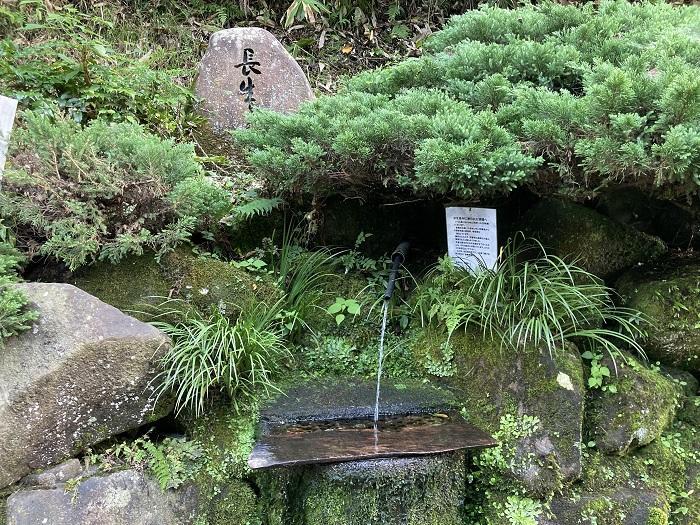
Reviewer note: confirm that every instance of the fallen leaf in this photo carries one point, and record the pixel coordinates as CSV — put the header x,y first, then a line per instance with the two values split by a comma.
x,y
346,49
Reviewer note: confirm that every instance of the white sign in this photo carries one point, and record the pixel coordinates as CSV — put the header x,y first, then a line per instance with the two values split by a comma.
x,y
8,108
472,239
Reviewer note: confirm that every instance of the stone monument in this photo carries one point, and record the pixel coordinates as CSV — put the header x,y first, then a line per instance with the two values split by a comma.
x,y
245,68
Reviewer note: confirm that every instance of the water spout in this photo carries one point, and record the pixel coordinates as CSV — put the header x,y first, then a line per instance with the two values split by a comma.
x,y
397,258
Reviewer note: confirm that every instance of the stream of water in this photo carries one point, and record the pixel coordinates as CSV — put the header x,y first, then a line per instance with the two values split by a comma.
x,y
385,311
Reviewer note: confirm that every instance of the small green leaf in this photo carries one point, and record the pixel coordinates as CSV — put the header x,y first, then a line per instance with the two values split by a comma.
x,y
353,307
336,307
339,319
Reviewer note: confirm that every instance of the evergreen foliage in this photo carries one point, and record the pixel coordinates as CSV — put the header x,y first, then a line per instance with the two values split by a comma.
x,y
15,316
103,191
567,98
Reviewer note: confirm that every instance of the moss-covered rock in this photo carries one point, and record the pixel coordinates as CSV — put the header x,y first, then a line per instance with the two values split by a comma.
x,y
226,492
139,281
621,506
638,404
670,467
676,225
491,382
669,294
409,491
600,245
690,413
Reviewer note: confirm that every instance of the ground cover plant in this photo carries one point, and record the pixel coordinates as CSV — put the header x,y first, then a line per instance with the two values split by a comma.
x,y
103,191
560,98
237,349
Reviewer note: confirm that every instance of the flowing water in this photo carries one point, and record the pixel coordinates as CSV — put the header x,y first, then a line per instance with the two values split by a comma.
x,y
385,311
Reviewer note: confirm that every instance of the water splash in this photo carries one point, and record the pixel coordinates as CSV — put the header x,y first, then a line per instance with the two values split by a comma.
x,y
385,311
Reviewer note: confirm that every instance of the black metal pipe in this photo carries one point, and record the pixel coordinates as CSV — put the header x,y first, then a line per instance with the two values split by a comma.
x,y
397,259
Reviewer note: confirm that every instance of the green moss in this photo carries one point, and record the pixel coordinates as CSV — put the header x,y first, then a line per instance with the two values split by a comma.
x,y
411,491
202,280
600,245
206,281
658,516
226,491
615,508
640,408
669,466
128,285
690,413
669,294
492,382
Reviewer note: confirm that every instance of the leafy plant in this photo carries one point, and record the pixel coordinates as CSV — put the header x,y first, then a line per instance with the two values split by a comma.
x,y
542,301
303,275
103,191
304,9
341,306
172,461
60,56
220,350
252,205
599,373
496,493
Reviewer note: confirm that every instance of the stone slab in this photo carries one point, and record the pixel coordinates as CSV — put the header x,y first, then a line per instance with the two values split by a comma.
x,y
294,446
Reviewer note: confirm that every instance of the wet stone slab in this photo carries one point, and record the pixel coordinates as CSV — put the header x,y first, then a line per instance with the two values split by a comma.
x,y
328,400
315,442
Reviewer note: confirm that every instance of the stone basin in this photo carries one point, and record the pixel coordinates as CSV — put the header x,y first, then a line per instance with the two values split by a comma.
x,y
411,471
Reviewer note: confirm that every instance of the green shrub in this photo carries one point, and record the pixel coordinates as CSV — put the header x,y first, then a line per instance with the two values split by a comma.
x,y
62,56
103,191
15,316
422,140
571,97
542,301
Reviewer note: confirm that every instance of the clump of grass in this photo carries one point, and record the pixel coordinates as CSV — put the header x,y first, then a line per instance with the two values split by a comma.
x,y
210,351
237,350
531,297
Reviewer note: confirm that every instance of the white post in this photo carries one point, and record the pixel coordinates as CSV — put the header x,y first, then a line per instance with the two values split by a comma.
x,y
8,108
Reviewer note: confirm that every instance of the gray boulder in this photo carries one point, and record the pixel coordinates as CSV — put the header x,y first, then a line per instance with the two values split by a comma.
x,y
244,68
127,497
82,374
642,407
624,506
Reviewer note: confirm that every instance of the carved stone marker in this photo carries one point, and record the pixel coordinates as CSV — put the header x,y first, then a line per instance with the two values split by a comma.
x,y
472,237
244,68
8,108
